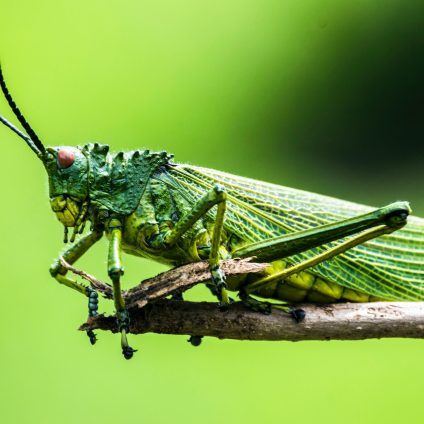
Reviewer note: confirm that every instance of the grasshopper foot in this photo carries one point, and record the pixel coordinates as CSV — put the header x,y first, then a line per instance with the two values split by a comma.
x,y
93,302
93,306
128,352
92,336
177,296
224,306
195,340
123,318
298,314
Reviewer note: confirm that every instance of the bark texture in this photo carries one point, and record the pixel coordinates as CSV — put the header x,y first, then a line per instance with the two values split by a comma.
x,y
151,312
342,321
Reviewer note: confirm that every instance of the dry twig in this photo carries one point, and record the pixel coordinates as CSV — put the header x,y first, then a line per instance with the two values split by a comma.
x,y
151,312
342,321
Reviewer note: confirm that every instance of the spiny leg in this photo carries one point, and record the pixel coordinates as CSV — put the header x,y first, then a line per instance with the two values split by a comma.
x,y
324,256
384,220
218,277
71,255
115,271
298,314
216,196
392,216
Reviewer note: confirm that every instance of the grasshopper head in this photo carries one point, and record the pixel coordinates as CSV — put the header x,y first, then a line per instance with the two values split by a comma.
x,y
67,169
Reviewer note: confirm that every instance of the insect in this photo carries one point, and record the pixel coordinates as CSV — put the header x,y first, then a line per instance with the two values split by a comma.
x,y
321,249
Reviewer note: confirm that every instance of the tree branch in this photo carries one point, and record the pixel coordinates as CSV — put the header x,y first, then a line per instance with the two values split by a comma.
x,y
150,312
342,321
171,282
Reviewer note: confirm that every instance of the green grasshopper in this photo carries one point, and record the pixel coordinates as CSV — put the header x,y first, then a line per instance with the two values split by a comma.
x,y
320,249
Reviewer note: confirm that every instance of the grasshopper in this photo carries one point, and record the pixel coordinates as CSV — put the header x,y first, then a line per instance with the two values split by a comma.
x,y
320,249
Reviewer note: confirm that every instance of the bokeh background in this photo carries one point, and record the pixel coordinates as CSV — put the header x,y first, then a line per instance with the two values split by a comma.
x,y
326,96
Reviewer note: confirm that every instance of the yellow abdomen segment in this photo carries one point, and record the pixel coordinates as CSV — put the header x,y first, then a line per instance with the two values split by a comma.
x,y
307,287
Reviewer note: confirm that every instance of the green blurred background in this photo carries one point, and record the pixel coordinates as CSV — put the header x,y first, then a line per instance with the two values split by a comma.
x,y
326,96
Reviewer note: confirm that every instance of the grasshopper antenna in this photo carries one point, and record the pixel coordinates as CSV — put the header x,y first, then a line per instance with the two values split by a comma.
x,y
31,139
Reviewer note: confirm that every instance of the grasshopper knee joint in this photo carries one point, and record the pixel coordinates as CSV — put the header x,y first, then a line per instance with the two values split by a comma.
x,y
56,268
115,272
219,190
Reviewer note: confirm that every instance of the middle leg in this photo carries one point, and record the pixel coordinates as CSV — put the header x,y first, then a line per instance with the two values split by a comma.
x,y
216,196
115,271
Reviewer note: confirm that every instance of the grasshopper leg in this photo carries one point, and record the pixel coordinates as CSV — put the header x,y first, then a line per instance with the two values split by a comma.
x,y
391,217
254,304
265,308
298,314
71,255
216,196
115,271
363,228
218,276
315,260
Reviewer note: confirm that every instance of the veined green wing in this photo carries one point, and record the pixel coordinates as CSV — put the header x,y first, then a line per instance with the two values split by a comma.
x,y
391,266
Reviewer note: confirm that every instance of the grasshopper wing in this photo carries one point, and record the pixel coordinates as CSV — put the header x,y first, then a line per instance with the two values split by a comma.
x,y
391,266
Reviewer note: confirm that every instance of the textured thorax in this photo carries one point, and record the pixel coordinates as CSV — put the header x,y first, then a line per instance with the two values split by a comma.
x,y
159,209
117,181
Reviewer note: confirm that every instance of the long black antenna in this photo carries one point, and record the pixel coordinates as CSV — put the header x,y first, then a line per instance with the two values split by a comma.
x,y
21,134
31,139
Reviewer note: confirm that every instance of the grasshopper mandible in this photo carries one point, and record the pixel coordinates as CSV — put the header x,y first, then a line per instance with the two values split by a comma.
x,y
321,249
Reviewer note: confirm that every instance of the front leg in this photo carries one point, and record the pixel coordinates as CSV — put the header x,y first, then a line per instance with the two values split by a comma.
x,y
115,271
71,255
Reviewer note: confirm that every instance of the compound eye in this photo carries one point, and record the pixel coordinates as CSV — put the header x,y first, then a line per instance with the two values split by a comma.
x,y
65,158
